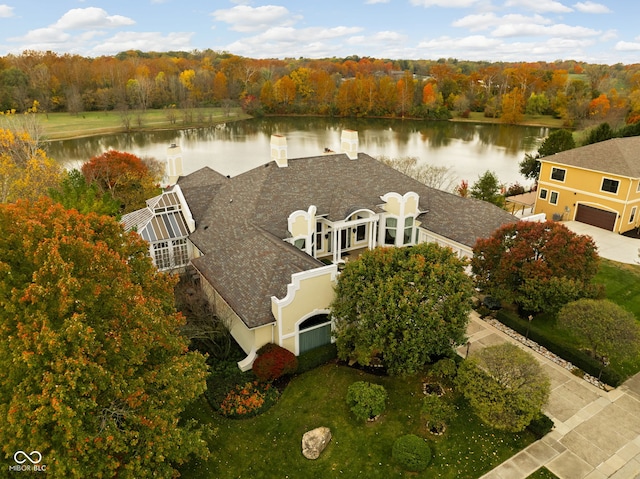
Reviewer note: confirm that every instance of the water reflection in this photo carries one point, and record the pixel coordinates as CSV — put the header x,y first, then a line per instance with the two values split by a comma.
x,y
468,149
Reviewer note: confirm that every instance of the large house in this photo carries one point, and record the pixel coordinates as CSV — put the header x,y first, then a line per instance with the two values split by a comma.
x,y
268,244
598,184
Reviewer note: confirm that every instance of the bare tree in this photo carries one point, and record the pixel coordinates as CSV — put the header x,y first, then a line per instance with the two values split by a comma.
x,y
439,177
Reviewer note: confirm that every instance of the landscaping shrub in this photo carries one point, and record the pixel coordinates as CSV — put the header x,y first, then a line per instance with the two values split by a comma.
x,y
224,376
274,361
249,400
565,351
540,426
317,357
366,400
445,369
412,453
436,412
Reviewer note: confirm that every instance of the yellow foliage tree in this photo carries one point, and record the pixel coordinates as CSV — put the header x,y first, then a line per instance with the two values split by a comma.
x,y
512,106
25,170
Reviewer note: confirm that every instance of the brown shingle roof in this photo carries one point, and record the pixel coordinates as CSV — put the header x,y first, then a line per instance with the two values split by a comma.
x,y
619,156
241,230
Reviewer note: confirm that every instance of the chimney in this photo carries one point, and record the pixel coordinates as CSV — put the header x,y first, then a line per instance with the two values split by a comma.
x,y
279,150
173,165
349,143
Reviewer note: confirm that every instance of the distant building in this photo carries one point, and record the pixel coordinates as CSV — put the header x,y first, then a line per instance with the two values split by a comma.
x,y
597,184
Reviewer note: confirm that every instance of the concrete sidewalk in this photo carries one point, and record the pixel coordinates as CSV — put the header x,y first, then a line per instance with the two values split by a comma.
x,y
596,433
610,245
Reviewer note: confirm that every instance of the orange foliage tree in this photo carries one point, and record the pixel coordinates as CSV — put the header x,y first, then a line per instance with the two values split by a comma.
x,y
126,177
93,374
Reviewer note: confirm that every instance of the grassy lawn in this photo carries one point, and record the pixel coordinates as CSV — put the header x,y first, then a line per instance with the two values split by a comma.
x,y
58,126
531,120
543,473
269,446
622,286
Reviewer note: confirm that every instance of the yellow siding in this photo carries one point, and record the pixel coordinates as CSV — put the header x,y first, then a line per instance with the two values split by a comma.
x,y
300,226
582,186
411,206
393,205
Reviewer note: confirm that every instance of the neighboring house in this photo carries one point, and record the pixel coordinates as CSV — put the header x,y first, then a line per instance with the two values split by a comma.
x,y
166,224
598,184
268,243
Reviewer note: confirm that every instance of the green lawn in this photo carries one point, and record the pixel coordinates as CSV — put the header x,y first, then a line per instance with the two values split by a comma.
x,y
269,446
58,126
533,120
622,284
543,473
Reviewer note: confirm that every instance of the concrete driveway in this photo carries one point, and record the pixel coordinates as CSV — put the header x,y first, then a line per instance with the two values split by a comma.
x,y
610,245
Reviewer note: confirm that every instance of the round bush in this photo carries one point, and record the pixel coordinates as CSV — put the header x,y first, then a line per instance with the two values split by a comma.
x,y
412,453
366,400
274,361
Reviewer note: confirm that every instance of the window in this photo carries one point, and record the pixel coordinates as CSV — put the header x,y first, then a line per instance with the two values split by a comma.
x,y
161,255
543,194
408,229
361,232
319,236
390,231
554,198
610,185
180,252
558,174
633,214
300,243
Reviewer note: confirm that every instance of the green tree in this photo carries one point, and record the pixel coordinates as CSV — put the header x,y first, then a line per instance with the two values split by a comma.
x,y
602,132
557,141
538,266
608,330
488,188
537,104
404,305
75,193
505,386
366,400
93,372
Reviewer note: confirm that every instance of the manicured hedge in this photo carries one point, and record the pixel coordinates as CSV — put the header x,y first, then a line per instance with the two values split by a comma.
x,y
412,453
565,351
317,357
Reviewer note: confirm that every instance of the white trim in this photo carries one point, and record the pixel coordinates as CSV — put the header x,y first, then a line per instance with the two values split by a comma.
x,y
247,363
551,196
634,212
294,287
296,331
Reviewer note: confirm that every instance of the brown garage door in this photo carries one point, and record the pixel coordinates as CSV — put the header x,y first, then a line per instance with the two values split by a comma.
x,y
596,217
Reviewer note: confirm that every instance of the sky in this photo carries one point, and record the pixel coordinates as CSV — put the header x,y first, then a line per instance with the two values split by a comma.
x,y
593,31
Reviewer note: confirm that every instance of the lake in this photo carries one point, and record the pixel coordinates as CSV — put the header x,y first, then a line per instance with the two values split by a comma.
x,y
468,149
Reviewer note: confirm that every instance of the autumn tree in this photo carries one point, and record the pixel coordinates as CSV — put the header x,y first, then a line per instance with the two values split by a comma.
x,y
506,387
512,106
25,170
129,179
405,306
540,266
602,132
557,141
606,329
93,373
74,192
488,188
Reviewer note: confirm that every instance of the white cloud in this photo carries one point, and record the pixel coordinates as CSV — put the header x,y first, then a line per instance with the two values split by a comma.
x,y
591,7
529,29
446,3
539,5
48,35
372,2
609,35
6,11
627,46
91,17
244,18
145,41
483,21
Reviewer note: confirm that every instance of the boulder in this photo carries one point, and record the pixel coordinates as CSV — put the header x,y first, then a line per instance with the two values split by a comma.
x,y
314,442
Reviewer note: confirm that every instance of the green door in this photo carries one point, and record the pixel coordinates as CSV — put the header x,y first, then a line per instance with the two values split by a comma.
x,y
314,338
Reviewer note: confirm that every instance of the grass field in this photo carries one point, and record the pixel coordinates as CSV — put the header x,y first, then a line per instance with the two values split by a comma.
x,y
269,446
528,120
60,126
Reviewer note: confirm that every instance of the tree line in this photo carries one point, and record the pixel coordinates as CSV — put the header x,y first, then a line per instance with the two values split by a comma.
x,y
353,86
